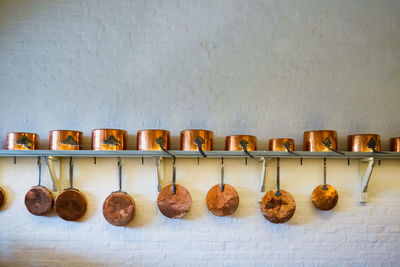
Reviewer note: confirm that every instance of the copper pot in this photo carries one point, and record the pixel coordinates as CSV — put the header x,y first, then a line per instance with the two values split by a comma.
x,y
394,144
364,143
3,197
65,140
281,144
109,139
153,140
22,141
323,141
235,142
197,140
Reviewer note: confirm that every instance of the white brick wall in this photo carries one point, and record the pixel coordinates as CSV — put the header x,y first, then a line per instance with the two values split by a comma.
x,y
268,68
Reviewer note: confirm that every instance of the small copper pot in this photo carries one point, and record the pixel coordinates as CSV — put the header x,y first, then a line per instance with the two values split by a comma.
x,y
322,141
3,197
364,143
65,140
189,138
281,144
22,141
234,142
151,140
109,139
394,144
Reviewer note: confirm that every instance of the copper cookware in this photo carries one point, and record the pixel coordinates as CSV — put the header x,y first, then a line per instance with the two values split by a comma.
x,y
281,144
71,204
3,197
174,201
65,140
364,143
201,140
39,200
394,144
119,207
109,139
322,141
222,199
22,141
150,140
244,143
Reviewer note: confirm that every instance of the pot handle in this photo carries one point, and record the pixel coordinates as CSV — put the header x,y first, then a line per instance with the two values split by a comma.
x,y
278,181
39,171
161,142
70,141
199,141
287,146
173,187
324,187
119,175
71,173
243,143
372,145
24,141
328,143
222,185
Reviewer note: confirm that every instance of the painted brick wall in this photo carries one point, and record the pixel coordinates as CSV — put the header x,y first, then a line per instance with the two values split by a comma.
x,y
268,68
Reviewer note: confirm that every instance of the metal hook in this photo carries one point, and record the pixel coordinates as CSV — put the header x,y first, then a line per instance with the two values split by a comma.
x,y
199,141
348,162
301,161
243,144
142,160
328,143
161,142
15,160
94,160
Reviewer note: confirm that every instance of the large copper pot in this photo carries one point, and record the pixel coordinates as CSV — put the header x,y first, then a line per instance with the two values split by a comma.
x,y
201,140
109,139
22,141
394,144
65,140
364,143
153,140
322,141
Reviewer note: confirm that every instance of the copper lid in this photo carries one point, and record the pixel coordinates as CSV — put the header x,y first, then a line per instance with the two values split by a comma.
x,y
174,205
65,140
22,141
232,142
119,208
394,144
364,143
109,139
39,200
71,205
316,140
3,197
188,138
278,209
146,139
281,144
222,203
324,199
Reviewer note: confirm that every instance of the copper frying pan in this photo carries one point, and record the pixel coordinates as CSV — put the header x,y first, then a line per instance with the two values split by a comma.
x,y
119,207
3,197
38,200
222,199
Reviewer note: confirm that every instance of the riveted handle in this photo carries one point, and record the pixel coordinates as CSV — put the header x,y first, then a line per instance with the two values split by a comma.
x,y
39,171
173,187
278,181
324,187
328,144
222,185
199,141
287,146
161,142
71,173
244,144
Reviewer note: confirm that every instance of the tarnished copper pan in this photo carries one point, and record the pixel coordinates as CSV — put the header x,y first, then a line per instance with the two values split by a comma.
x,y
222,203
3,197
146,139
233,142
39,200
119,208
324,198
394,144
188,138
364,143
109,139
317,140
71,204
65,140
278,209
22,141
281,144
174,205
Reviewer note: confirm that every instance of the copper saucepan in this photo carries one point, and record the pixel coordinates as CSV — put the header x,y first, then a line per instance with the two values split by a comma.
x,y
325,196
119,207
394,144
153,140
109,139
244,143
38,200
3,198
65,140
282,144
364,143
201,140
22,141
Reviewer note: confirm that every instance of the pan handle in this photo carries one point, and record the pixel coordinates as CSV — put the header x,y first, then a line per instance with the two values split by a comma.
x,y
372,145
71,173
324,187
119,175
243,143
278,180
287,146
328,143
222,185
39,171
199,141
161,142
173,187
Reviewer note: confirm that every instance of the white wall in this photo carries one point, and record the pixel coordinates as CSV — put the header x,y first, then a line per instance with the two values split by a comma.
x,y
268,68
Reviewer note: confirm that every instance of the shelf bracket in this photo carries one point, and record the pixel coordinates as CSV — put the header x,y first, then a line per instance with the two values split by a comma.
x,y
263,176
53,165
366,167
159,167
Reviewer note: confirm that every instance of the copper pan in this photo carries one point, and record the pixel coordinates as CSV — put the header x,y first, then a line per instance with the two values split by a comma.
x,y
38,200
119,207
201,140
222,199
109,139
150,140
22,141
3,197
394,144
364,143
282,144
244,143
65,140
322,141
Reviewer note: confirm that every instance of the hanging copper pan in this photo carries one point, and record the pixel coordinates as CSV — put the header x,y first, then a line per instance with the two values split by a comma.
x,y
174,201
3,198
150,140
394,144
364,143
119,207
222,199
201,140
109,139
38,200
22,141
65,140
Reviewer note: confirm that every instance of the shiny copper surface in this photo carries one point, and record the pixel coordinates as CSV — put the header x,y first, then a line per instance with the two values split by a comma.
x,y
278,209
109,139
222,203
119,208
65,140
188,137
394,144
313,140
22,141
71,204
232,142
276,144
3,197
174,206
359,142
324,199
146,139
39,200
